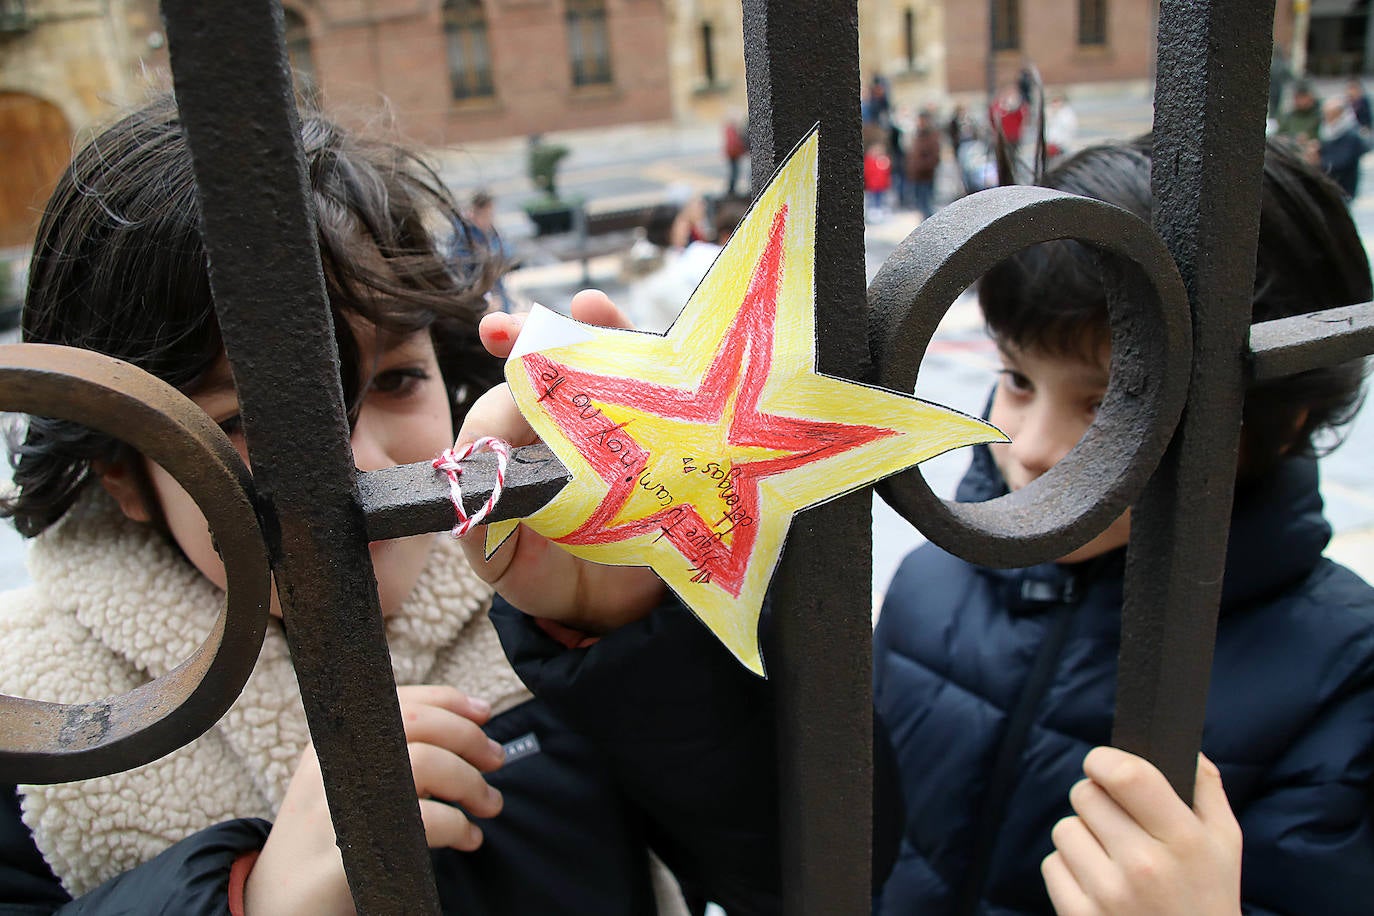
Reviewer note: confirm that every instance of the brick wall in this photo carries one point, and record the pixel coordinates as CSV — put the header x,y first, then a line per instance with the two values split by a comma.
x,y
368,63
1049,37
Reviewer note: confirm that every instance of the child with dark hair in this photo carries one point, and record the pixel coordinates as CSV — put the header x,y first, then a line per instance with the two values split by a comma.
x,y
993,685
126,580
994,689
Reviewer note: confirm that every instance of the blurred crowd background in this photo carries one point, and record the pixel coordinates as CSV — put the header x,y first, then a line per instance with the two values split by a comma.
x,y
605,142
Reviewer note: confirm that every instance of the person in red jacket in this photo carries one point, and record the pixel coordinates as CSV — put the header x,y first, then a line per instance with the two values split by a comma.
x,y
1008,116
877,180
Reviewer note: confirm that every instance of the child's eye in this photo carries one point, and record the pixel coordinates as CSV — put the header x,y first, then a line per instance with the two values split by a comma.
x,y
232,426
1016,382
404,380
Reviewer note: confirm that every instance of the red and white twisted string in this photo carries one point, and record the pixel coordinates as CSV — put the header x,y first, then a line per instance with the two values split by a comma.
x,y
450,463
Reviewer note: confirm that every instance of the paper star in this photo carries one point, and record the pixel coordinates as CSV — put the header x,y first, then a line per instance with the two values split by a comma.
x,y
691,451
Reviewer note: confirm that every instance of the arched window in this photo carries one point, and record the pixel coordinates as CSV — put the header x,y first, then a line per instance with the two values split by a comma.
x,y
469,58
299,53
589,50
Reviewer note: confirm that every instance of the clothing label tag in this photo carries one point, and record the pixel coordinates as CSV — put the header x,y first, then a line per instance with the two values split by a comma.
x,y
524,746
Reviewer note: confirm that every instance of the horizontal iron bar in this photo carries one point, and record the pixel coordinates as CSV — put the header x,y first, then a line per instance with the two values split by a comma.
x,y
414,498
1288,346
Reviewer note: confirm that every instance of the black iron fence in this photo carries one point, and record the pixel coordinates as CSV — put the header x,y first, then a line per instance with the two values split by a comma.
x,y
309,517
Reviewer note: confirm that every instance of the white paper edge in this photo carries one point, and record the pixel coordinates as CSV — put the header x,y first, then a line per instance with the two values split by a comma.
x,y
545,329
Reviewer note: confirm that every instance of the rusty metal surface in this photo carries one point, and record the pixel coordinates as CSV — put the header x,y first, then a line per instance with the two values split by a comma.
x,y
1288,346
802,66
1082,494
414,498
1210,104
234,92
50,742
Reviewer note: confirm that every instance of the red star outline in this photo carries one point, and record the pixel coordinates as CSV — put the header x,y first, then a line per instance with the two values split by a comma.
x,y
742,363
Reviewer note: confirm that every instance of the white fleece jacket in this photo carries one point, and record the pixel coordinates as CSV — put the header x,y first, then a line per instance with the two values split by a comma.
x,y
113,605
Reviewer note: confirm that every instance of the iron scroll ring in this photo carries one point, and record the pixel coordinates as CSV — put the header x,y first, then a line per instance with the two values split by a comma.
x,y
1151,335
43,742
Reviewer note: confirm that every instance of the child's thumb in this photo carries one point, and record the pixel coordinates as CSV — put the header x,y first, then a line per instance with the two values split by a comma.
x,y
1209,797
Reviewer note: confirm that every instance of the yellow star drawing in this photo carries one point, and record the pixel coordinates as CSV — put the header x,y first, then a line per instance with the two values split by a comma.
x,y
691,451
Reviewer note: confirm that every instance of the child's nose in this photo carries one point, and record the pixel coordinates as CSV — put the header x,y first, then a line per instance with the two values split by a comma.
x,y
1042,440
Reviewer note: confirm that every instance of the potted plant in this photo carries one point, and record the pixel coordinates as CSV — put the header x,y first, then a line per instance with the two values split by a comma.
x,y
550,213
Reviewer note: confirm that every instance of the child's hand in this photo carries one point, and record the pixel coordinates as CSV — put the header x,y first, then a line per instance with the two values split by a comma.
x,y
528,570
300,870
1136,848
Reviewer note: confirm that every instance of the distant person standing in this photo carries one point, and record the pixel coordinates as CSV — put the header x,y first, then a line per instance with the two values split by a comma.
x,y
876,110
1303,117
478,243
963,139
1359,104
1061,127
879,102
922,161
736,148
1008,116
1342,146
896,151
877,180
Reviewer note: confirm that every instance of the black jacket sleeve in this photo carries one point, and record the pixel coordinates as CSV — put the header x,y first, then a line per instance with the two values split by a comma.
x,y
689,733
190,877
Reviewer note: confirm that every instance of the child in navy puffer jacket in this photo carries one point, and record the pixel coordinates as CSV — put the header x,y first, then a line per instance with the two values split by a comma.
x,y
993,685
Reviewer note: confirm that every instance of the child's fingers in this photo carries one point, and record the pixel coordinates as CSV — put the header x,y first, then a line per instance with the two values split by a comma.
x,y
1068,898
495,414
1114,829
498,331
1142,792
1210,803
442,774
447,826
592,306
446,697
442,728
1084,857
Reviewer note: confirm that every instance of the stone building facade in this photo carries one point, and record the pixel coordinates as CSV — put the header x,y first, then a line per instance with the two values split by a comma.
x,y
901,39
64,65
449,71
1068,41
453,71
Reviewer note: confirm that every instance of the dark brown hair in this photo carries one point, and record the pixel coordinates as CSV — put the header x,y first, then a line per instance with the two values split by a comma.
x,y
1050,297
118,267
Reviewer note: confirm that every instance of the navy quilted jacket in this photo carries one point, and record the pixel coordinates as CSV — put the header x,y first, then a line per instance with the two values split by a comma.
x,y
992,686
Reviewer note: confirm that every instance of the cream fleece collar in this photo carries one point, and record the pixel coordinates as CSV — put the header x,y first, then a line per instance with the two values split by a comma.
x,y
113,604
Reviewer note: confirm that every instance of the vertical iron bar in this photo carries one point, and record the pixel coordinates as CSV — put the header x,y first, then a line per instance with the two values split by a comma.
x,y
802,64
233,87
1210,104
